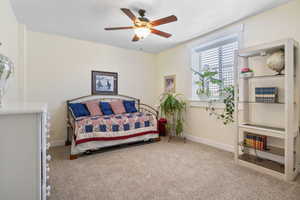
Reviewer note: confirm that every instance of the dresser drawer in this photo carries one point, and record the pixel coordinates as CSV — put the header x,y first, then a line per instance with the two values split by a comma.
x,y
24,125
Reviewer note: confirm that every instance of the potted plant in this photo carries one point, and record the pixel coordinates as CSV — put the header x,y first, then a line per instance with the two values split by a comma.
x,y
246,72
205,77
172,106
228,99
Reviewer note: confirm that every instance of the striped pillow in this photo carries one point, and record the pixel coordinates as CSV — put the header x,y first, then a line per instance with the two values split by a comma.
x,y
117,107
93,107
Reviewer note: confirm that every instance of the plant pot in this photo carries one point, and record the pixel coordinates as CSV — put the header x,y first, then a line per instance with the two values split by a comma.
x,y
203,97
246,75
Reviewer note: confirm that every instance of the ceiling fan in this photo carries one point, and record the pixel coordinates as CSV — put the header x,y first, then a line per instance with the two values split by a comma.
x,y
143,26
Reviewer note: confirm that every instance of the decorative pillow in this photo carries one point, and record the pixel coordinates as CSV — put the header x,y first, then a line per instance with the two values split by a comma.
x,y
79,110
117,107
105,108
130,106
93,107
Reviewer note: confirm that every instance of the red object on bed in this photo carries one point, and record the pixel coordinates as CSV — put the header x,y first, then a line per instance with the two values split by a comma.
x,y
162,127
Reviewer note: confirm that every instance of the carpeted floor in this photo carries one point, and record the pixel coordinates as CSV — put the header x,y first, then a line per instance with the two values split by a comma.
x,y
162,171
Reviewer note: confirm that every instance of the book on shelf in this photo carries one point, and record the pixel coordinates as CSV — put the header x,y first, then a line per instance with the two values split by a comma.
x,y
266,94
256,141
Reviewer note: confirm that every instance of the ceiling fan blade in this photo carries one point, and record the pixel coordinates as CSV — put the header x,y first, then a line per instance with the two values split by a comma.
x,y
129,13
165,20
160,33
118,28
135,38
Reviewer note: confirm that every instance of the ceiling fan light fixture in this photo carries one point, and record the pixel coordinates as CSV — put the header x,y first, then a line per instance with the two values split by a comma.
x,y
142,26
142,32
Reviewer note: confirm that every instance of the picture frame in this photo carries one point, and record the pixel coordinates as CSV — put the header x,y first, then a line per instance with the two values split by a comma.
x,y
170,84
104,83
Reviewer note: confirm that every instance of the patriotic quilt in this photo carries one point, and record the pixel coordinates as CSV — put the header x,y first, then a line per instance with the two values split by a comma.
x,y
114,127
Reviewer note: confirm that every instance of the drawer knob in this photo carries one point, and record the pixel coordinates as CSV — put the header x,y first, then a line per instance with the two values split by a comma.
x,y
48,169
48,146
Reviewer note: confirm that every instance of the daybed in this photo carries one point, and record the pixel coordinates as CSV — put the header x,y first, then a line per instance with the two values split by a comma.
x,y
94,132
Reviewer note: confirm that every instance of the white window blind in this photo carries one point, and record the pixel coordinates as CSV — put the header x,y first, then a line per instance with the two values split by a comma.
x,y
217,57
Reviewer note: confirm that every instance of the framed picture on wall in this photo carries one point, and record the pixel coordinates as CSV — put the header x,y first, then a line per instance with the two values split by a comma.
x,y
104,83
170,83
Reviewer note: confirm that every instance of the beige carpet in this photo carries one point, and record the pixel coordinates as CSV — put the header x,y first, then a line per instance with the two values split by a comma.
x,y
162,171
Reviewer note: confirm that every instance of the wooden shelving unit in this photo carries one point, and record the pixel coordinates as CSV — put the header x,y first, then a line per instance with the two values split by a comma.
x,y
288,134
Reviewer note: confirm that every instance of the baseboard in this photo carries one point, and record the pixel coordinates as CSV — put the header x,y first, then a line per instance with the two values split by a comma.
x,y
57,143
197,139
212,143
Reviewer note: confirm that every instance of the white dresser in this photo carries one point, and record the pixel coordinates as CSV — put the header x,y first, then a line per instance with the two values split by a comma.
x,y
24,157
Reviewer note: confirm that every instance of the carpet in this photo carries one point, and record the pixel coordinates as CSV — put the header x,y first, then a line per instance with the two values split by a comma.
x,y
162,171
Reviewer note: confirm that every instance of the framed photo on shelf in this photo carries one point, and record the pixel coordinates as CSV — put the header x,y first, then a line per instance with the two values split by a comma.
x,y
104,83
170,84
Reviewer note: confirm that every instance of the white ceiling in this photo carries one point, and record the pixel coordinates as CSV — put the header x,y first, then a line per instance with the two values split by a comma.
x,y
86,19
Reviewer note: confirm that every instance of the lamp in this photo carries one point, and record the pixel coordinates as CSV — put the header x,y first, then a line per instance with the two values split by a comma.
x,y
142,32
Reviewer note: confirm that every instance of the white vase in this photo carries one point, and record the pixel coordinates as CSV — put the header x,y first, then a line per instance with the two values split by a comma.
x,y
6,71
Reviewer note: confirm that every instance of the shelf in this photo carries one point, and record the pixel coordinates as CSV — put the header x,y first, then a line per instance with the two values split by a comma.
x,y
271,149
264,76
261,102
264,130
278,162
266,48
269,164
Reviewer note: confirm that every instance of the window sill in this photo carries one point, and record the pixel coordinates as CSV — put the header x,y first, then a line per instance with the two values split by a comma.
x,y
204,103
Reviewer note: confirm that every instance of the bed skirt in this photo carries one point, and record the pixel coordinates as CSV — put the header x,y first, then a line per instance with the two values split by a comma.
x,y
82,147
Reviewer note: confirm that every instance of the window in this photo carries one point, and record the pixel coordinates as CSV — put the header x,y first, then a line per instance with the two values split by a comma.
x,y
216,56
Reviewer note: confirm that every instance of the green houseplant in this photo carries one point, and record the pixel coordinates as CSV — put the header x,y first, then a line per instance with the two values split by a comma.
x,y
228,99
206,77
173,107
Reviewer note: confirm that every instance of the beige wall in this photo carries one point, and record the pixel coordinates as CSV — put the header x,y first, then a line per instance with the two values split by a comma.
x,y
59,68
9,39
278,23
